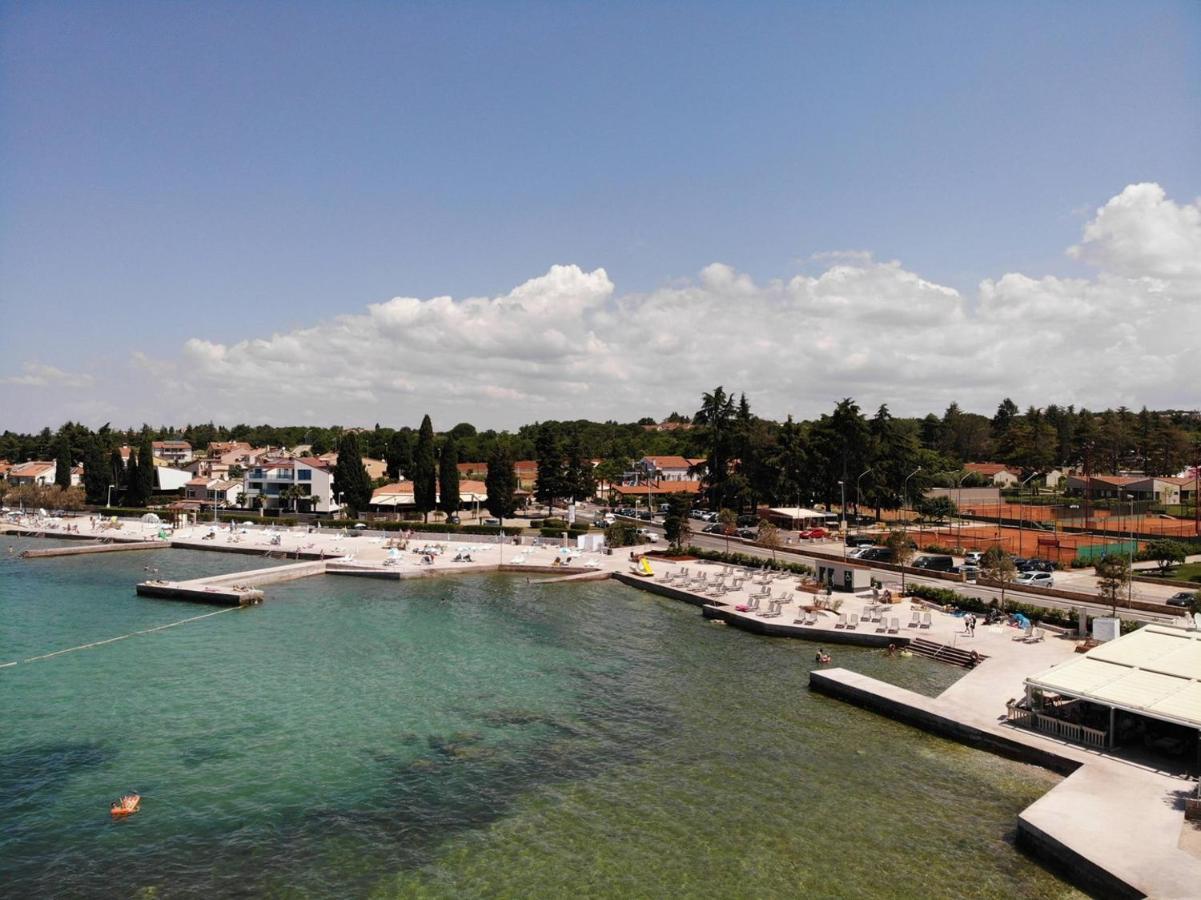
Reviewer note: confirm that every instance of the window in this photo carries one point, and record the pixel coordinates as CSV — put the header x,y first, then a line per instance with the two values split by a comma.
x,y
304,475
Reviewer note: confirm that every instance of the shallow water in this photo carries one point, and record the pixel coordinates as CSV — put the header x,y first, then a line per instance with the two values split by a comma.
x,y
466,736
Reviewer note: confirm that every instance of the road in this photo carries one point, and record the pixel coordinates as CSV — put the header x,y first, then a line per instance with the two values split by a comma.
x,y
1079,581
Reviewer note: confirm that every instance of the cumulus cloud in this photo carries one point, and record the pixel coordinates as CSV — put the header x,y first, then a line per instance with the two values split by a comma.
x,y
566,344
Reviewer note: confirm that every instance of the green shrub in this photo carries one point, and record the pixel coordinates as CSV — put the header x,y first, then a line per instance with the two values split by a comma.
x,y
938,548
1062,618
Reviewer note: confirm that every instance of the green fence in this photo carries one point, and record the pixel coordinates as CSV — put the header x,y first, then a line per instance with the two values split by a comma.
x,y
1091,552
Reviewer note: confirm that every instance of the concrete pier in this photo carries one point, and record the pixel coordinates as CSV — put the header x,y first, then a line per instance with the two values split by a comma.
x,y
1112,827
82,549
234,589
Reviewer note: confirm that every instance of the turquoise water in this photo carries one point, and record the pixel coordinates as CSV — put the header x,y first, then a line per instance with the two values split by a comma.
x,y
466,736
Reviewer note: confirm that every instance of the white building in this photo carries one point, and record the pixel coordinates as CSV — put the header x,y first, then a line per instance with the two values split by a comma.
x,y
663,468
34,472
270,483
224,493
176,453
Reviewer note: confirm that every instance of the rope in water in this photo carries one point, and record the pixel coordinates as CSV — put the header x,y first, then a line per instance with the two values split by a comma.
x,y
118,638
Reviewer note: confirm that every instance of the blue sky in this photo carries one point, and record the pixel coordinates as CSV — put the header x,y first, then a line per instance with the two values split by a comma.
x,y
224,172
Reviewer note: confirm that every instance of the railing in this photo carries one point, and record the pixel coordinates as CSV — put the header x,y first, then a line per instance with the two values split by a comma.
x,y
1060,728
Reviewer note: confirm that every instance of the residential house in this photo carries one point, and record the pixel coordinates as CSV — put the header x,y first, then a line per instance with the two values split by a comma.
x,y
376,468
176,453
208,492
303,485
663,468
999,474
5,465
34,472
1102,487
398,496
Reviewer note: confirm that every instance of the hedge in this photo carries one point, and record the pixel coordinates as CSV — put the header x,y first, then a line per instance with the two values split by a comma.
x,y
743,559
1064,618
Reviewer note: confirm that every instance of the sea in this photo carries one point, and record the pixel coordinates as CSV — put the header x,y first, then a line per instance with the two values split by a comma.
x,y
464,736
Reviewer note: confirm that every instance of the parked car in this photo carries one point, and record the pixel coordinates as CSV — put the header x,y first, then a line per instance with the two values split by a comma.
x,y
697,514
815,533
860,540
647,535
747,521
876,554
749,533
1182,598
454,520
646,515
969,573
1037,565
711,528
972,558
858,552
935,563
1035,579
491,521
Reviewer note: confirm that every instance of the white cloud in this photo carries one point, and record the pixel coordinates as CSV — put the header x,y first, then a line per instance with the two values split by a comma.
x,y
41,375
566,345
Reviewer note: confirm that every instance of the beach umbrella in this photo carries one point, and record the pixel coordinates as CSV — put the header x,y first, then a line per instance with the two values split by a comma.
x,y
151,519
359,525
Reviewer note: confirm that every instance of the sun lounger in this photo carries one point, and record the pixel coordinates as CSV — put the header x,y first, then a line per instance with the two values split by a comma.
x,y
753,604
917,619
883,626
853,621
894,625
842,621
927,620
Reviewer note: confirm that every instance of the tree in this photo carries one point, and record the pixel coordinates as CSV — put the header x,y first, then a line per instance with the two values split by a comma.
x,y
145,473
501,481
135,492
622,534
579,482
425,478
610,473
727,519
937,507
769,537
902,550
551,482
716,418
676,524
998,565
63,461
1113,574
399,454
448,477
95,472
350,475
1167,553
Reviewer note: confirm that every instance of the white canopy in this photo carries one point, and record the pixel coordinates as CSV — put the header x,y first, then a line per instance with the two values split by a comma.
x,y
1155,672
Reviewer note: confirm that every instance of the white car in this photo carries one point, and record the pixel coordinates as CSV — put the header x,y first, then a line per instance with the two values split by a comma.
x,y
859,551
1035,579
647,535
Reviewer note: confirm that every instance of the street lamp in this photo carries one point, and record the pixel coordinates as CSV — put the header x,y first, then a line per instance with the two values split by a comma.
x,y
109,504
1130,580
905,486
842,516
857,494
1020,486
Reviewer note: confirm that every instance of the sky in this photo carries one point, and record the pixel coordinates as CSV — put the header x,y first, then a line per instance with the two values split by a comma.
x,y
507,212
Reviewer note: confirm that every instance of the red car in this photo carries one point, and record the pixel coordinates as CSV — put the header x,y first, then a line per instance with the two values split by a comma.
x,y
815,533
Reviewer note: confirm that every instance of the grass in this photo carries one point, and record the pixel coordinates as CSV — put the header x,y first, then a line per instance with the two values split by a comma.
x,y
1187,572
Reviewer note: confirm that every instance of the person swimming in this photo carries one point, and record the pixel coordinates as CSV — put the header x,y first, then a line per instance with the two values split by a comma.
x,y
127,805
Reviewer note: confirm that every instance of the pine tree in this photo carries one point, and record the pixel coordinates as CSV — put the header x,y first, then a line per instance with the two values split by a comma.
x,y
63,462
501,481
551,473
350,476
448,477
579,482
116,471
425,478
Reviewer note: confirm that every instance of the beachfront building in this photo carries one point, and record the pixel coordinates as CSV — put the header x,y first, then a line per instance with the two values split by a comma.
x,y
221,492
661,468
297,485
175,453
1140,691
397,497
39,472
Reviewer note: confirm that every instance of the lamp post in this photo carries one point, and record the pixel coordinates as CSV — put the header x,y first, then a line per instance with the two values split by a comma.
x,y
842,516
1130,580
1020,520
109,504
857,493
905,486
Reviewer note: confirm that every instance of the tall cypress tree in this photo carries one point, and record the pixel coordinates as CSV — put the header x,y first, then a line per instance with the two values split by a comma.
x,y
350,476
95,471
116,471
448,477
399,454
551,475
501,481
425,477
146,478
63,462
134,495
